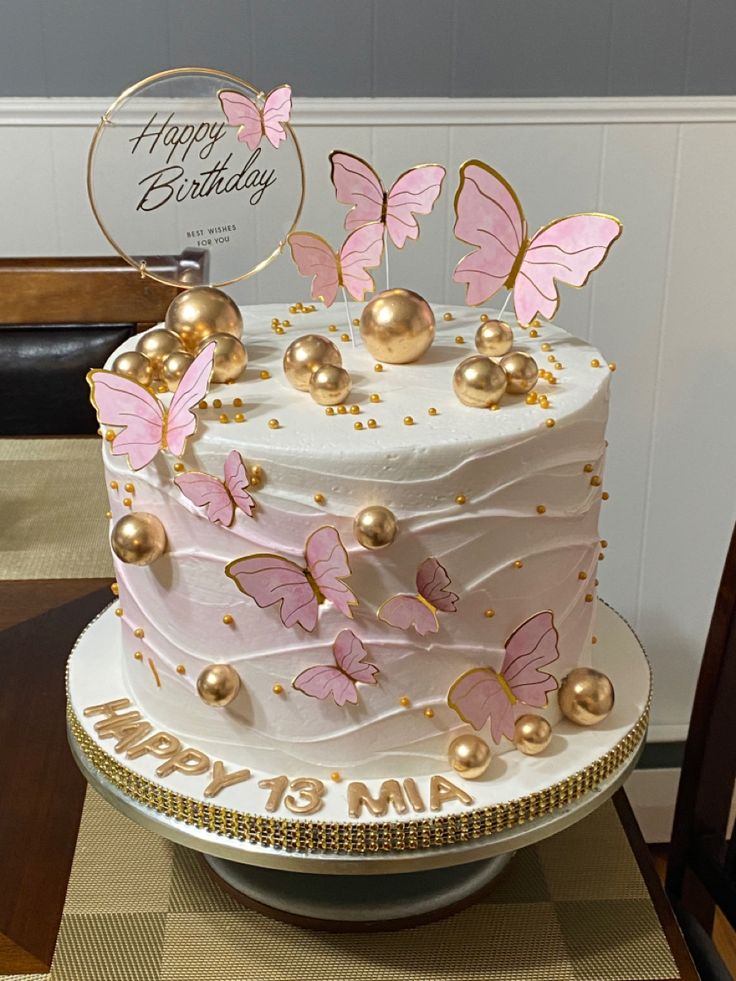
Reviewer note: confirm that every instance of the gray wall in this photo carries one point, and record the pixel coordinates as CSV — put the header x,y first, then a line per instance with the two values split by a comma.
x,y
376,47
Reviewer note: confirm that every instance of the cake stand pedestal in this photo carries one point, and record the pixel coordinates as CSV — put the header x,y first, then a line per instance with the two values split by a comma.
x,y
377,888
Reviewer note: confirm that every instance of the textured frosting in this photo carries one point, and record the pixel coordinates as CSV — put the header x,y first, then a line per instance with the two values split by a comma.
x,y
505,464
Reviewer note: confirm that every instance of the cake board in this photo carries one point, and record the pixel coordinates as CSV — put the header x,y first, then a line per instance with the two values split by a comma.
x,y
289,869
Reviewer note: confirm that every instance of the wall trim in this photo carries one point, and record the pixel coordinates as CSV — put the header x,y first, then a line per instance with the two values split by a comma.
x,y
86,111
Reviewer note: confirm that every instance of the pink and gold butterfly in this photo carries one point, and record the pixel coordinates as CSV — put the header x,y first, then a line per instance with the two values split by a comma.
x,y
220,497
254,122
489,216
413,193
420,610
482,694
148,426
339,679
345,268
271,579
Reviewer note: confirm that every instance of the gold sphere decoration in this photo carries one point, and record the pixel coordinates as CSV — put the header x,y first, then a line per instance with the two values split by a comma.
x,y
375,527
397,326
521,371
494,338
305,355
469,756
330,384
231,357
532,734
218,684
586,696
479,382
201,311
134,365
174,367
138,538
157,345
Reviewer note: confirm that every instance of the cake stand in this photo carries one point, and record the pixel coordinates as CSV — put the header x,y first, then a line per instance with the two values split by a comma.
x,y
339,873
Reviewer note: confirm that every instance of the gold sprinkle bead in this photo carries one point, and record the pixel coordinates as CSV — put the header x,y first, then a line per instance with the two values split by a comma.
x,y
534,333
179,467
532,398
378,367
447,316
595,363
237,403
239,417
605,495
408,421
228,619
494,406
216,403
256,475
286,323
224,417
278,689
139,632
588,468
546,346
594,639
431,411
612,365
108,514
460,499
345,337
595,481
459,339
329,411
130,488
483,318
342,410
551,379
356,322
265,375
109,435
319,498
375,397
293,309
489,614
588,597
518,564
404,701
138,655
582,575
202,404
332,328
273,424
429,713
354,410
180,669
119,611
335,776
114,485
604,543
275,322
551,358
114,589
161,389
601,556
549,423
558,366
357,425
541,509
127,502
372,424
278,330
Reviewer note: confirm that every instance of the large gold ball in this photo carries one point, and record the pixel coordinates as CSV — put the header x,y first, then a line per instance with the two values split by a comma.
x,y
138,538
479,382
201,311
157,345
134,365
586,696
397,326
305,355
231,357
521,371
218,684
330,384
469,756
375,527
174,367
532,734
494,338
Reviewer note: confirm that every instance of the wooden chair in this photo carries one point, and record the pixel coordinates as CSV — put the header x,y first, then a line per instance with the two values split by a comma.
x,y
701,873
60,317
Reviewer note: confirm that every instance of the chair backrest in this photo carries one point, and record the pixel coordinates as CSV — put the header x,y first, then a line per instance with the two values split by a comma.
x,y
701,870
59,318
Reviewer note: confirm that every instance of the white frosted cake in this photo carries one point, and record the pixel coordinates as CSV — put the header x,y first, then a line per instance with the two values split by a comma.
x,y
505,502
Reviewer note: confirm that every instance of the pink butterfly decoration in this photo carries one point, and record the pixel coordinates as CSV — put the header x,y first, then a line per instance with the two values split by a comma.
x,y
271,579
339,679
254,122
483,694
420,611
489,216
220,497
361,250
413,193
147,425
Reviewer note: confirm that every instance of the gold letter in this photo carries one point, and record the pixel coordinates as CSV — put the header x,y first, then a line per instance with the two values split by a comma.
x,y
390,793
108,708
185,761
160,744
221,779
442,790
277,786
412,794
310,791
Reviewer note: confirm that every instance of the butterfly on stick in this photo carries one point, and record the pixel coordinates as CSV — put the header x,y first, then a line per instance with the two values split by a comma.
x,y
339,680
419,610
345,268
219,497
254,121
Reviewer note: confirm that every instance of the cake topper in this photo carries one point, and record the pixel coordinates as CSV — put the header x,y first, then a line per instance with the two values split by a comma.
x,y
490,217
413,193
148,426
255,122
219,497
420,610
340,679
271,579
483,695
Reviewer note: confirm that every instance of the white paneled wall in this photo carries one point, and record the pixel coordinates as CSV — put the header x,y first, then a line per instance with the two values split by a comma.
x,y
660,307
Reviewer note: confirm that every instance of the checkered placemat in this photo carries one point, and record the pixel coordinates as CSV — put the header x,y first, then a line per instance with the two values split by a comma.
x,y
139,908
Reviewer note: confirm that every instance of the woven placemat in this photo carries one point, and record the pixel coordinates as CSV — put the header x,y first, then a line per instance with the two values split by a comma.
x,y
53,502
572,908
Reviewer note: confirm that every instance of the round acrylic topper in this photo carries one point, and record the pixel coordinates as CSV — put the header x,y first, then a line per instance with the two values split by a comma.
x,y
195,160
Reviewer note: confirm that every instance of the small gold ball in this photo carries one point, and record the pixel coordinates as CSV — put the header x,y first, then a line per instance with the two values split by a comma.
x,y
218,684
489,614
518,564
612,365
375,397
293,309
375,527
469,755
110,435
595,481
521,371
329,411
342,410
138,655
265,375
546,347
173,368
130,488
431,411
114,485
286,323
304,355
397,326
180,669
134,365
378,367
549,423
408,420
494,338
332,328
356,322
216,403
532,734
138,538
604,543
479,382
330,384
357,425
605,495
531,398
278,330
157,345
588,468
228,619
319,498
231,358
200,312
108,514
582,575
118,612
534,333
594,639
278,689
115,589
179,467
586,696
404,701
595,363
224,417
588,597
460,499
239,417
372,424
273,424
345,338
275,322
484,318
256,475
558,366
459,339
429,713
354,410
202,404
139,632
335,776
447,316
237,403
541,509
